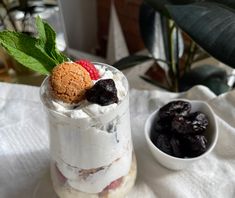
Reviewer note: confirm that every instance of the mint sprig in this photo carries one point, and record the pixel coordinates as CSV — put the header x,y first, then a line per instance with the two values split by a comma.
x,y
39,54
46,39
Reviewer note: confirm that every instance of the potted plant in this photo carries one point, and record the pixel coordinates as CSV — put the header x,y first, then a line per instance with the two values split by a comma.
x,y
179,32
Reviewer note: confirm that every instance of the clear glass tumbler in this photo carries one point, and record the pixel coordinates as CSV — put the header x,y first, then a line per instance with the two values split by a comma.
x,y
91,156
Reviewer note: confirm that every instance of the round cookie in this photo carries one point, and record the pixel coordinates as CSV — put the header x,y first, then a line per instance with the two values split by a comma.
x,y
69,82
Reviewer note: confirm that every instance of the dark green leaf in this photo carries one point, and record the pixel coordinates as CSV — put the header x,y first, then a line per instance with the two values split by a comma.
x,y
210,25
25,50
130,61
201,74
217,85
229,3
159,5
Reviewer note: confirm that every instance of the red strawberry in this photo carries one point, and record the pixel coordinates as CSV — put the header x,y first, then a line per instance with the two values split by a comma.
x,y
94,74
115,184
61,177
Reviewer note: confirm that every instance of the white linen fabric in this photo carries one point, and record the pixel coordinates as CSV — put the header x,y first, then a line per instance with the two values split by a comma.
x,y
24,152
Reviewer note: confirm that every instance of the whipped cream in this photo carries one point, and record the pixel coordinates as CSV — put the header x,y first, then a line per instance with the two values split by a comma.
x,y
88,136
85,109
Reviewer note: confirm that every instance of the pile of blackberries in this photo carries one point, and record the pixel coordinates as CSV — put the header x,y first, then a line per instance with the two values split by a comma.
x,y
179,132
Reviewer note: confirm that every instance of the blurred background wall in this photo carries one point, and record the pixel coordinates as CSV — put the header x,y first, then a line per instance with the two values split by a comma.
x,y
87,24
80,22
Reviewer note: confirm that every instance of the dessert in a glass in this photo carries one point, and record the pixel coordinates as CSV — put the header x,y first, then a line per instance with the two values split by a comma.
x,y
90,134
88,112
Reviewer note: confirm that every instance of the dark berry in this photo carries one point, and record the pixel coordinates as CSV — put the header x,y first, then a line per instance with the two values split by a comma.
x,y
199,122
163,143
174,108
154,136
162,126
196,144
181,124
104,93
194,123
178,132
176,147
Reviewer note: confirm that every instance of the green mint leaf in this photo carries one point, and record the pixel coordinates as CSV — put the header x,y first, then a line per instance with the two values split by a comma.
x,y
26,51
39,54
47,40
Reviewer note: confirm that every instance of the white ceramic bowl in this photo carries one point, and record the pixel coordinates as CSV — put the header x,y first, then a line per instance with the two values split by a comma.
x,y
175,163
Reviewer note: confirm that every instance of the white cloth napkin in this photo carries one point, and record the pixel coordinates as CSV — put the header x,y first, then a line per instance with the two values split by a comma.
x,y
24,156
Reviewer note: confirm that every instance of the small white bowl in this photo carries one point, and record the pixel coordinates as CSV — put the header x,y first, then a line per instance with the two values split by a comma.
x,y
175,163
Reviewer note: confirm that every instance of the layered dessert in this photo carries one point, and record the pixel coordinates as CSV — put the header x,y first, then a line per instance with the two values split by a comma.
x,y
88,113
90,135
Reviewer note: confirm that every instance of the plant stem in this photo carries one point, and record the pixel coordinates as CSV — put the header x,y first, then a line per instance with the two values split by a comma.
x,y
161,60
177,57
174,60
2,21
191,54
166,30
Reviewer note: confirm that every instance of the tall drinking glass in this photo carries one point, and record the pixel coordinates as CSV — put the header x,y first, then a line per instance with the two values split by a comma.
x,y
91,156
